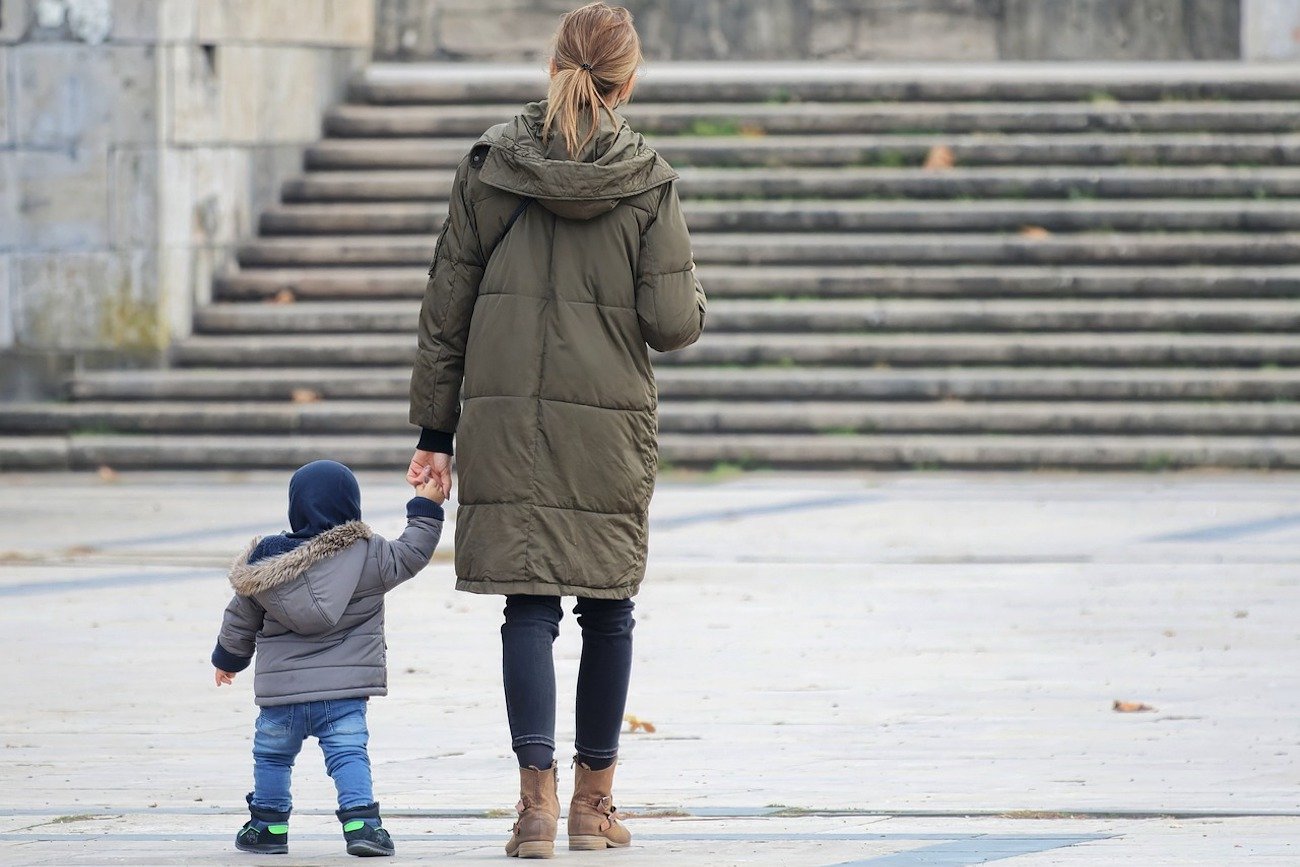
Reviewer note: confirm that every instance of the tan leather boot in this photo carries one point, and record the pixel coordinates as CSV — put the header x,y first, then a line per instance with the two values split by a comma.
x,y
593,823
533,836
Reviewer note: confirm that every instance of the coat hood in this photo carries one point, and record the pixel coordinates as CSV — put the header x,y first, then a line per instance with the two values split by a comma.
x,y
304,599
322,495
615,164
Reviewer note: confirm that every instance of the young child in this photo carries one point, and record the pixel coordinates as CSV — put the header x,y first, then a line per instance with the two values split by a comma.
x,y
311,603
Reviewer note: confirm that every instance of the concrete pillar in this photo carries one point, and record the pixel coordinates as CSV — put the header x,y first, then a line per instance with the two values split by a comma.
x,y
138,139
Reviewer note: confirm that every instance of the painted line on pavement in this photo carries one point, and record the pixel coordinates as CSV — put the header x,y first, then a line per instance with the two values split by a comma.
x,y
106,582
781,507
673,523
1230,532
975,850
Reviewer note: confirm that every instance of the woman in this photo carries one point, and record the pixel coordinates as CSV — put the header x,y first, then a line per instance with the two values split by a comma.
x,y
563,256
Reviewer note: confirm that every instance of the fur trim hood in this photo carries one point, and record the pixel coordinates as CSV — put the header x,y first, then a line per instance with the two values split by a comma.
x,y
250,579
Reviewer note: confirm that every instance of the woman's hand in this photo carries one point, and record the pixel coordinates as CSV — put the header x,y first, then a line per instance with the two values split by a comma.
x,y
430,465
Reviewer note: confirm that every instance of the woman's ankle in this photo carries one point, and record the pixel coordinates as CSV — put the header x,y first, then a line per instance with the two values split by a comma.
x,y
594,763
538,756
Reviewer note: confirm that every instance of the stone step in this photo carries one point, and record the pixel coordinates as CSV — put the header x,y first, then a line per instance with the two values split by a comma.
x,y
897,349
360,120
911,349
1082,149
823,315
353,218
786,215
945,281
831,281
728,384
1040,182
938,451
417,83
702,417
21,453
840,248
878,451
325,283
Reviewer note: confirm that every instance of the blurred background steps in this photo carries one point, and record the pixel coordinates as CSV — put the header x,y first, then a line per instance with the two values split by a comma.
x,y
840,215
966,266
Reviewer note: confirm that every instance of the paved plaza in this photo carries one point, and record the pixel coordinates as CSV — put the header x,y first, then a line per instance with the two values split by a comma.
x,y
840,669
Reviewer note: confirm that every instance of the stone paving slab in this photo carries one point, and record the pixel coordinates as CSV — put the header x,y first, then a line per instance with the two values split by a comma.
x,y
826,657
877,841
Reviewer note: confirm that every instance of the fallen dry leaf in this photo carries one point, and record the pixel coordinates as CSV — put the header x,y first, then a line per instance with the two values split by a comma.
x,y
1035,232
304,395
752,130
940,157
1131,706
636,724
106,473
284,296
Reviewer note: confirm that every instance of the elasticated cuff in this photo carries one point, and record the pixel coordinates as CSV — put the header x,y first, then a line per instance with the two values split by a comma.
x,y
227,661
435,441
419,507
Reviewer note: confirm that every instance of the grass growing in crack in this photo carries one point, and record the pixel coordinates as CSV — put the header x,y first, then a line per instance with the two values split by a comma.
x,y
77,817
1158,462
713,127
723,470
885,159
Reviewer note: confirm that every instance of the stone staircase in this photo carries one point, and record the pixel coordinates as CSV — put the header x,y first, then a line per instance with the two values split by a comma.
x,y
1099,268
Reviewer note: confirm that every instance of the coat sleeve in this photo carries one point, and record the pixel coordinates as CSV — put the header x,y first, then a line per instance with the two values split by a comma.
x,y
670,302
238,637
449,299
400,559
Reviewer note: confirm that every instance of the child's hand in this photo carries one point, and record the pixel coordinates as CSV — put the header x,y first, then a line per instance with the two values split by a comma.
x,y
224,677
431,488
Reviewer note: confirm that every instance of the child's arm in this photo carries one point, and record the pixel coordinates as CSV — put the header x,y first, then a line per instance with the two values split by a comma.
x,y
406,555
238,637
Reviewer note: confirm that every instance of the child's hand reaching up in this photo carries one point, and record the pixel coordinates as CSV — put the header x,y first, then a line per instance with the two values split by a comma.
x,y
224,677
431,489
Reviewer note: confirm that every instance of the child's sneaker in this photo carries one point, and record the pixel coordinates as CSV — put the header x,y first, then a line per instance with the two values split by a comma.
x,y
266,832
364,832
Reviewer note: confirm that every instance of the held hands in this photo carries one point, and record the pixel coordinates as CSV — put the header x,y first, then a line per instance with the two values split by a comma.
x,y
427,466
225,677
431,488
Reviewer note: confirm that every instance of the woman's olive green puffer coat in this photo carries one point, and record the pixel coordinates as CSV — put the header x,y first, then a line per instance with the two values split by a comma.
x,y
533,351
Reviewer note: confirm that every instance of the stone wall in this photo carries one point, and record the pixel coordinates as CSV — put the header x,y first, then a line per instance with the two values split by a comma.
x,y
138,140
1121,29
1270,29
888,30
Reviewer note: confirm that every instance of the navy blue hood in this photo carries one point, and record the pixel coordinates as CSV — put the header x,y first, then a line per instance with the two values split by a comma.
x,y
322,495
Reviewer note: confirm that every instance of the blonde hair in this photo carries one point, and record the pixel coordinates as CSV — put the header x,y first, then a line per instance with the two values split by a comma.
x,y
597,52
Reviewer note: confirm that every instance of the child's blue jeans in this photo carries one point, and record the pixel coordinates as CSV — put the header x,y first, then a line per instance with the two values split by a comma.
x,y
339,725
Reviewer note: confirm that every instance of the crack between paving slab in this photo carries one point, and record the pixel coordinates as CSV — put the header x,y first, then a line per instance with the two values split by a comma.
x,y
775,812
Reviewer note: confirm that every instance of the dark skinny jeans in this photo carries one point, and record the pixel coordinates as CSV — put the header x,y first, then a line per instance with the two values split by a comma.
x,y
531,626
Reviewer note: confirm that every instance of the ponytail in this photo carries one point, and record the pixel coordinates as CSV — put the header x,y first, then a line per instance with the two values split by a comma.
x,y
597,53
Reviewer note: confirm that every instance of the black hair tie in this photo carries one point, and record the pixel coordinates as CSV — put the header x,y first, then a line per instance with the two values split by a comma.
x,y
587,66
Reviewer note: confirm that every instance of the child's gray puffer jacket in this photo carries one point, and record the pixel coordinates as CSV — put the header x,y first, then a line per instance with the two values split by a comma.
x,y
315,614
